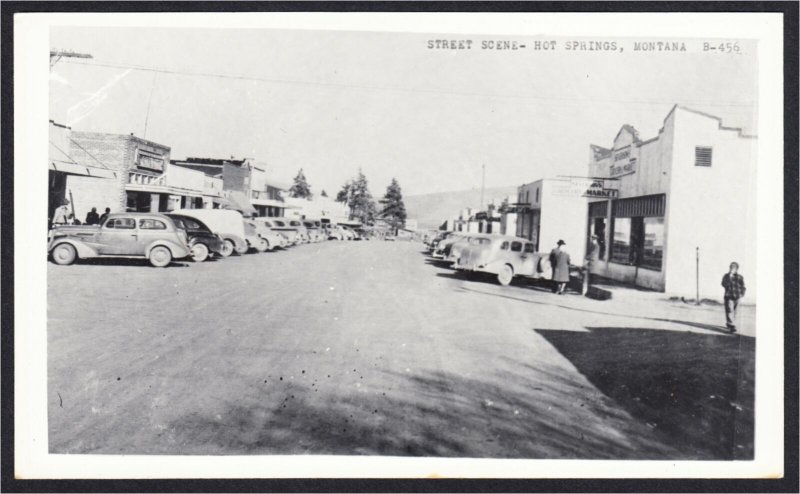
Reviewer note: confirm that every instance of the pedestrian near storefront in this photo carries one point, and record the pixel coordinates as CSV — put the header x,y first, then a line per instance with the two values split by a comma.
x,y
103,216
92,218
733,283
592,255
559,260
61,216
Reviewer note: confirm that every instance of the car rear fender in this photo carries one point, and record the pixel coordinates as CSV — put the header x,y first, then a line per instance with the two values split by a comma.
x,y
240,244
178,251
83,250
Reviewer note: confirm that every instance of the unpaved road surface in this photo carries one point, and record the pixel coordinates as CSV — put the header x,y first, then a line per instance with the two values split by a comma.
x,y
368,348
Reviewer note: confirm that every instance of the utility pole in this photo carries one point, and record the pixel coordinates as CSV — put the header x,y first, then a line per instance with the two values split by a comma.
x,y
56,55
483,183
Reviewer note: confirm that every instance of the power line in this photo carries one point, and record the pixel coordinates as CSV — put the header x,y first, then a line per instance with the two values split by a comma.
x,y
144,68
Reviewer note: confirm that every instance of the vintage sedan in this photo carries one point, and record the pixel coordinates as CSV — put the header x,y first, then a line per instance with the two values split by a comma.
x,y
503,256
226,223
272,239
151,236
282,226
203,242
439,250
453,250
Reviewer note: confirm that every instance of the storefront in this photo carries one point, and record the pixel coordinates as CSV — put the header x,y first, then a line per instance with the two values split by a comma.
x,y
683,205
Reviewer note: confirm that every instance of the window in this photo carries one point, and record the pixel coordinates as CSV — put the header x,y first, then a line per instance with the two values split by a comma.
x,y
702,156
192,225
121,223
504,246
150,224
639,242
527,196
621,244
529,247
481,241
537,196
516,246
597,226
653,244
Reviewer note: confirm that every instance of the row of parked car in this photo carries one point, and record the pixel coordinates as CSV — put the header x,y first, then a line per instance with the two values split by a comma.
x,y
502,256
198,234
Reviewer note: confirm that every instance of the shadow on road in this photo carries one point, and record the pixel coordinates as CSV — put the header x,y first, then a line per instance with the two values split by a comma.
x,y
696,389
126,261
526,412
710,327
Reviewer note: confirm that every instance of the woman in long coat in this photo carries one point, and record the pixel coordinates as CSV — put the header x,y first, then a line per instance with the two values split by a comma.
x,y
559,259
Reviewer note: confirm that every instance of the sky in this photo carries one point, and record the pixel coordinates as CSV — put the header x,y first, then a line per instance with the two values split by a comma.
x,y
334,102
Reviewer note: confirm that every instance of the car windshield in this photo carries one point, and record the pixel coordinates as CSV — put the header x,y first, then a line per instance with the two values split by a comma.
x,y
294,223
190,224
280,223
480,241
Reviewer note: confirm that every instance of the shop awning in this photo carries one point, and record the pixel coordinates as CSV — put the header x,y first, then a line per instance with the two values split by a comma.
x,y
76,169
222,202
269,202
239,202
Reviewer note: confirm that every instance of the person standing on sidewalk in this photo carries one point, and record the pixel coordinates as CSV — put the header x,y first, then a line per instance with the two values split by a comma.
x,y
733,283
559,259
592,255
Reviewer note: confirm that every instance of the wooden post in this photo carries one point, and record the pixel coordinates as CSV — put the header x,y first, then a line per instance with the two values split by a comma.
x,y
697,275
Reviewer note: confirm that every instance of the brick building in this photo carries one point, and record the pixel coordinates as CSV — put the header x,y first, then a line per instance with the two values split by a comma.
x,y
143,180
90,183
246,184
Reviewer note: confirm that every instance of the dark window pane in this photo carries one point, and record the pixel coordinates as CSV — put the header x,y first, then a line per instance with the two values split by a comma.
x,y
621,246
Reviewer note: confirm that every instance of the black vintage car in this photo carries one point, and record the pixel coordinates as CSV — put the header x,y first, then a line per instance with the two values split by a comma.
x,y
202,240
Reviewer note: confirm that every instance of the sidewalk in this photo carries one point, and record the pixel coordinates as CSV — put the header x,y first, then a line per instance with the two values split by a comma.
x,y
709,316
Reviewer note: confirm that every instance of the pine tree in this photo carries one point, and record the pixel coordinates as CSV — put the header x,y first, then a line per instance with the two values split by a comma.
x,y
394,210
323,193
355,193
300,188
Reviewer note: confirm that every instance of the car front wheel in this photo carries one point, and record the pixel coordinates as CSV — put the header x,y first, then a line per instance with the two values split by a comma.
x,y
262,245
227,248
505,275
64,254
199,252
160,256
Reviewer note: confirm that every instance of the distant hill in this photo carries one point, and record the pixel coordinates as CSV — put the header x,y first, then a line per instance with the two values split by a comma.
x,y
430,210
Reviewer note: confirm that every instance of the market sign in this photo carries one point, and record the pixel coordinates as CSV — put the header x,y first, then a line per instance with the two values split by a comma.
x,y
584,187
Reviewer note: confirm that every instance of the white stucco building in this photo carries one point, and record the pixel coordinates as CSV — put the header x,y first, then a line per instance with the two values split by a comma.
x,y
689,190
549,210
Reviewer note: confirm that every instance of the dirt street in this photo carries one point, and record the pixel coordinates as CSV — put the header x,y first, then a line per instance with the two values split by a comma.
x,y
368,348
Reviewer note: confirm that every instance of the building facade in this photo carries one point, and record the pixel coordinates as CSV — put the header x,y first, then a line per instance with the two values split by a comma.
x,y
242,184
143,179
549,210
90,184
683,209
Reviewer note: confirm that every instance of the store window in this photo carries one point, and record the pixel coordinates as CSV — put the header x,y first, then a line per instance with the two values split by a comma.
x,y
653,245
621,244
639,242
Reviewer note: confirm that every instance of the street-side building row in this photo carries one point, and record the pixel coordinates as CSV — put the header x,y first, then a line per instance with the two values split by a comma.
x,y
129,173
670,212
